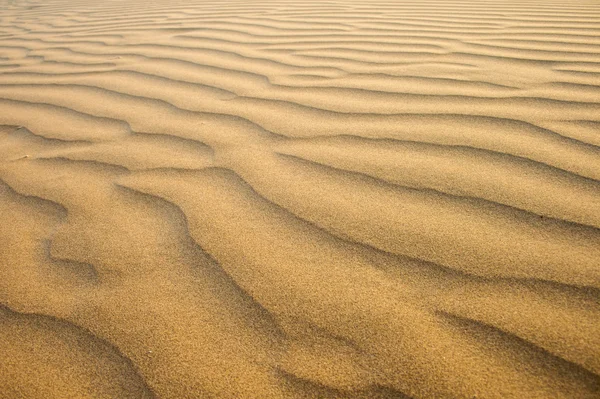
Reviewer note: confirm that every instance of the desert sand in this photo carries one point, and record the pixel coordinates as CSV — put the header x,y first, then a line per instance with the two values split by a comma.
x,y
299,199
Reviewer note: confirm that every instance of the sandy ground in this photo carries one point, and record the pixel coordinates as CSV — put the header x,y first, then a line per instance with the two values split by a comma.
x,y
299,199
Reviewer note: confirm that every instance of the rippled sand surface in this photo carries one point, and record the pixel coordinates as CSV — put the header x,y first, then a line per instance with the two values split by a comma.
x,y
310,199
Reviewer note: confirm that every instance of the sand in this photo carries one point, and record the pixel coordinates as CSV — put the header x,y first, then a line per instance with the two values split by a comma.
x,y
309,199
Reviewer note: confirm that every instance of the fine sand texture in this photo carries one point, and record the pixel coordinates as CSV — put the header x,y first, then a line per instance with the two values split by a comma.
x,y
299,199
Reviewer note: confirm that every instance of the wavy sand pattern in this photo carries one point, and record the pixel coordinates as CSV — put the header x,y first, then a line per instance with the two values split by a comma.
x,y
275,199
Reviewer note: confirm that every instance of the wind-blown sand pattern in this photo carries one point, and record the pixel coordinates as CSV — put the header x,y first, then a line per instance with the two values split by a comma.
x,y
341,199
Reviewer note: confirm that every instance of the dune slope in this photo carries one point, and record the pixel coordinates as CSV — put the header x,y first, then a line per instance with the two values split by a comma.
x,y
276,199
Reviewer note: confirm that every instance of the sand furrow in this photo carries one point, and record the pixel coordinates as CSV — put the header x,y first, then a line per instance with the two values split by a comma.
x,y
400,222
69,125
460,171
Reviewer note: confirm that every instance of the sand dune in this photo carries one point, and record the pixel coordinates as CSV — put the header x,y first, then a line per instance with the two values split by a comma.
x,y
278,199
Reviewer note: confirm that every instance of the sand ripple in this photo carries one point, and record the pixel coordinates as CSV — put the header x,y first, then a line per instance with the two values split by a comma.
x,y
337,199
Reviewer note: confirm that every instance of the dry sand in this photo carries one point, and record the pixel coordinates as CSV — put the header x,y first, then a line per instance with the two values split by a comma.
x,y
312,199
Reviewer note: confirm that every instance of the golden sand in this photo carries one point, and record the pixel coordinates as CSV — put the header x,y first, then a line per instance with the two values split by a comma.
x,y
314,199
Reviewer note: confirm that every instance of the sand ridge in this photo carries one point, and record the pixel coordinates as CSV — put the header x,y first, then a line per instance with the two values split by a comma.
x,y
278,199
